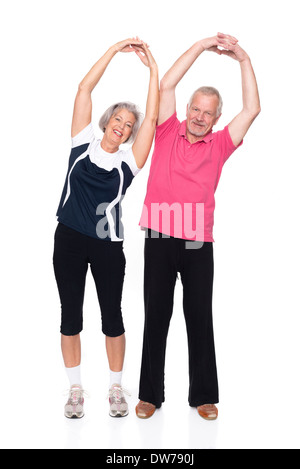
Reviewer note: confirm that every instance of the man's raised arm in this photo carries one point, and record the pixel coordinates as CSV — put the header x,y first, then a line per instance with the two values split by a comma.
x,y
251,103
181,66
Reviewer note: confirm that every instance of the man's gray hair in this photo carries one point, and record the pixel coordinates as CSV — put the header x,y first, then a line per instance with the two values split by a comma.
x,y
130,107
209,91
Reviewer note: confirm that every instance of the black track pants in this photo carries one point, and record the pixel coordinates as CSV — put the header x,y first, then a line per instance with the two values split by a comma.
x,y
164,258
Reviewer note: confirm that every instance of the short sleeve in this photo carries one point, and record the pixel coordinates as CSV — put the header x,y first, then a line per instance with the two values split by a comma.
x,y
128,157
167,127
225,144
85,136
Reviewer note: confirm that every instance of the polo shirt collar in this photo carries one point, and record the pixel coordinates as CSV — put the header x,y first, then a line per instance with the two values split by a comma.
x,y
182,132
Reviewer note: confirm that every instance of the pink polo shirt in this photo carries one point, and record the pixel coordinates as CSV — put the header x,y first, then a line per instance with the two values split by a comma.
x,y
182,182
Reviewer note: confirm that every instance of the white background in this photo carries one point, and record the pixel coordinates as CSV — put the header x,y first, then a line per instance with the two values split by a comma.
x,y
46,49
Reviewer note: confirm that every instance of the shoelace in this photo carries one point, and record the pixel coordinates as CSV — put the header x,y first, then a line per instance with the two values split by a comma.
x,y
116,392
75,394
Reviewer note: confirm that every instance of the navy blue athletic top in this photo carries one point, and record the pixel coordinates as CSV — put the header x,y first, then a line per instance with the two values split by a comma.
x,y
95,185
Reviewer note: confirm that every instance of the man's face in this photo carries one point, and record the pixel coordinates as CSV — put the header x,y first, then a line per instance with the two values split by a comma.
x,y
201,116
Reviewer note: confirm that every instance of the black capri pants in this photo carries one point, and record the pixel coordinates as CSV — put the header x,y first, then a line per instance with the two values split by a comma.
x,y
73,252
164,258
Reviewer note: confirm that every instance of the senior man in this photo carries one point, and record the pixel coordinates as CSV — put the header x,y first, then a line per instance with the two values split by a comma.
x,y
178,217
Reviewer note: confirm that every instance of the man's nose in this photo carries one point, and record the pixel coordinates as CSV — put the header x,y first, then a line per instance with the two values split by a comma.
x,y
199,116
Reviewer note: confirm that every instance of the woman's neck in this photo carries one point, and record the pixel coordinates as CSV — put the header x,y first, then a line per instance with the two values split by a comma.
x,y
107,146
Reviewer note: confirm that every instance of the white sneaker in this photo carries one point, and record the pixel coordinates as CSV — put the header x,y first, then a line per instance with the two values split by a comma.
x,y
74,406
118,404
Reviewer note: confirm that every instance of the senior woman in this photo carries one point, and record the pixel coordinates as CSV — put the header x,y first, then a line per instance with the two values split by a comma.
x,y
90,230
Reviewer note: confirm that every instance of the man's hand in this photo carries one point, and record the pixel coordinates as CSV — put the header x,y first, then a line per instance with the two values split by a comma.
x,y
231,48
220,40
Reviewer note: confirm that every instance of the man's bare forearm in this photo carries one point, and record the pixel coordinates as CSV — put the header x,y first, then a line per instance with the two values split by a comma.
x,y
184,63
251,102
181,66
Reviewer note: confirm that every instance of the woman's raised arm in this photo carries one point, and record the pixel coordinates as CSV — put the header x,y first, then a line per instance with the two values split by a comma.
x,y
82,114
142,145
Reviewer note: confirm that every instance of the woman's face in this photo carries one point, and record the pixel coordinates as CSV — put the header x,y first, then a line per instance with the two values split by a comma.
x,y
120,125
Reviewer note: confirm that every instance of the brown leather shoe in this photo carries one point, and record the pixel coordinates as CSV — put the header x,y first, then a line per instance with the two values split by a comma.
x,y
145,410
208,411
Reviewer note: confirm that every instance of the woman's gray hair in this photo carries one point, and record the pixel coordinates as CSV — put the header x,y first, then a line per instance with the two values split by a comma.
x,y
209,91
130,107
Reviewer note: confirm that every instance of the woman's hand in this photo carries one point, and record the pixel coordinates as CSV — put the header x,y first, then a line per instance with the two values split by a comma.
x,y
127,45
143,52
